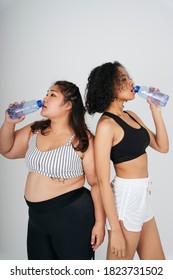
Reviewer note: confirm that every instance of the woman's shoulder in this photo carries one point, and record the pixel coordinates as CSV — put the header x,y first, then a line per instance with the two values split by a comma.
x,y
25,129
131,113
106,123
22,135
105,127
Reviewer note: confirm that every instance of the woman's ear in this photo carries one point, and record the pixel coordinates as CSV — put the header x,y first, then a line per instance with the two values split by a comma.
x,y
68,105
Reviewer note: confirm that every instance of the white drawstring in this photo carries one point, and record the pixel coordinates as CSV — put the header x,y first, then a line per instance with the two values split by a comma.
x,y
150,186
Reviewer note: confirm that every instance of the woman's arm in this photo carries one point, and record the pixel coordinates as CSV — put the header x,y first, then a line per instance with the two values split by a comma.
x,y
13,144
103,143
98,231
159,141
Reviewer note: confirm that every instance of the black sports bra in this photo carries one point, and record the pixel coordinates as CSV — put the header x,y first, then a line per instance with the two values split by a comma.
x,y
133,143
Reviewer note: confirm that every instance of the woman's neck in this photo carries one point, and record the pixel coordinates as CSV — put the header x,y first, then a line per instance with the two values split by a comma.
x,y
60,126
116,108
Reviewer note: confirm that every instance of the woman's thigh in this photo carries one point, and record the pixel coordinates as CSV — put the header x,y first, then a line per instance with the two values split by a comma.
x,y
149,247
70,228
39,245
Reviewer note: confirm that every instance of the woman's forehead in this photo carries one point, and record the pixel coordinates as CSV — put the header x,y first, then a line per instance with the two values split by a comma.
x,y
122,71
55,88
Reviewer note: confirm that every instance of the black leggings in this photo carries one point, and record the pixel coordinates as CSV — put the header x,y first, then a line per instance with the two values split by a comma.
x,y
60,228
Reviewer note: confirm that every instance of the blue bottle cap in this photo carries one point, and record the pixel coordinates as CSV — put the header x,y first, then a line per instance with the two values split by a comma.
x,y
40,103
136,88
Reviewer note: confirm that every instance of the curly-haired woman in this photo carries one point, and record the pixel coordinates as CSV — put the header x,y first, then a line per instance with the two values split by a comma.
x,y
66,220
122,137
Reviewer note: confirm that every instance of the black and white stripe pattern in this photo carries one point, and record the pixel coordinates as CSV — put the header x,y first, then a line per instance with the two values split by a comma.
x,y
61,163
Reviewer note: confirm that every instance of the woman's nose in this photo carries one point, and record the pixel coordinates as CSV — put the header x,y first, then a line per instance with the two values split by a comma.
x,y
45,98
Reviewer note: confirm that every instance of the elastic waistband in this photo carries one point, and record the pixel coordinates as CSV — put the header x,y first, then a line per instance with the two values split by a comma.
x,y
132,182
56,202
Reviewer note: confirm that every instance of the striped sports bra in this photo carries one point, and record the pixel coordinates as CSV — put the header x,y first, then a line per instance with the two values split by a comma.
x,y
61,163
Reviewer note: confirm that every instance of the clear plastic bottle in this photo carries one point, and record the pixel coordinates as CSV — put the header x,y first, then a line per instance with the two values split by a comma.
x,y
156,97
24,108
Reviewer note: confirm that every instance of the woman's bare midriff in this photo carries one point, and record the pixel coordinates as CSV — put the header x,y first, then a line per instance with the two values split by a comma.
x,y
136,168
41,188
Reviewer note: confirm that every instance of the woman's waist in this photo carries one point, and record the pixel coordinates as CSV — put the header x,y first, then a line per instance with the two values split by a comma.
x,y
136,168
40,187
58,202
128,185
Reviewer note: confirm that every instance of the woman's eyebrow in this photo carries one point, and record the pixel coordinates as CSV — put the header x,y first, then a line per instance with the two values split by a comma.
x,y
51,90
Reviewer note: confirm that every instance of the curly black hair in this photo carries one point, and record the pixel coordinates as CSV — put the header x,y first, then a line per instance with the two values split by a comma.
x,y
101,87
76,118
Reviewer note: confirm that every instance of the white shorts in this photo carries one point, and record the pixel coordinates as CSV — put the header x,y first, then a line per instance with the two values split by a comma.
x,y
132,202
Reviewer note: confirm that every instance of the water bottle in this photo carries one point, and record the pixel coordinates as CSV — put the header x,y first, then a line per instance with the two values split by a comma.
x,y
157,98
24,108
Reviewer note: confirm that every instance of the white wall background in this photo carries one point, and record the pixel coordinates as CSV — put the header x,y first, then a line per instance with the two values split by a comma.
x,y
47,40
